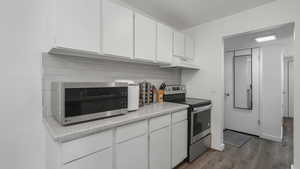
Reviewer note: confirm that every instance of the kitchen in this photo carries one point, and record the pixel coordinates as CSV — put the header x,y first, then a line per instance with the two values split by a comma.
x,y
149,51
110,41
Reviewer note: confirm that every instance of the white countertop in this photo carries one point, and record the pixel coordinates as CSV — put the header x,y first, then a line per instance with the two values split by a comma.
x,y
67,133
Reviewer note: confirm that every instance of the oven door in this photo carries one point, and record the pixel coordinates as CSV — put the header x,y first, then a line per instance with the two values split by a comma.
x,y
200,123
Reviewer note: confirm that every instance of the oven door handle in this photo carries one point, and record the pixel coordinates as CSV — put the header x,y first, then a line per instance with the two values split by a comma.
x,y
200,109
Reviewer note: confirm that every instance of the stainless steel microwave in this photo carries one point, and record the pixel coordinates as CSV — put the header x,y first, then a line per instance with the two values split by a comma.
x,y
74,102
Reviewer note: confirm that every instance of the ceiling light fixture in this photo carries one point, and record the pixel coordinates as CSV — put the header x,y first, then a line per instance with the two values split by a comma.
x,y
266,38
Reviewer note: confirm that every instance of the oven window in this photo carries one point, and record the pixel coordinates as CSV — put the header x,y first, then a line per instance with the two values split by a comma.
x,y
83,101
201,121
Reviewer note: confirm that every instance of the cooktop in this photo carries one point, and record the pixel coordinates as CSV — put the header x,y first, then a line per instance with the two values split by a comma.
x,y
195,102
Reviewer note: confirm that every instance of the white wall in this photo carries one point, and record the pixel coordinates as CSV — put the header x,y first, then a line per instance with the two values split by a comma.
x,y
271,111
209,81
22,131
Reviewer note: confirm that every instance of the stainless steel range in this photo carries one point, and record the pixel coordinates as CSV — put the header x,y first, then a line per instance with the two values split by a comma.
x,y
199,119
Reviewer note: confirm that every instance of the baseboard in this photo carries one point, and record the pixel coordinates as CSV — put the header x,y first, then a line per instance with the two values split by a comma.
x,y
219,147
270,137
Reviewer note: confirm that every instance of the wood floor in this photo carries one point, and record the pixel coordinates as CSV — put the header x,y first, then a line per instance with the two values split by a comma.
x,y
256,154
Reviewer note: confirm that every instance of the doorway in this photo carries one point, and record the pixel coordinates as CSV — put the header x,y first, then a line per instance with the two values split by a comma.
x,y
255,99
242,90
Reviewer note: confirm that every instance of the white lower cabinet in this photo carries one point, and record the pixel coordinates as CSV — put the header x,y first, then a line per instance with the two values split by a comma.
x,y
132,154
99,160
157,143
179,142
160,149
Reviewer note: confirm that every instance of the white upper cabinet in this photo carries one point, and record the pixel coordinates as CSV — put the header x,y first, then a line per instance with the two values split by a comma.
x,y
189,48
164,44
117,29
178,44
106,29
78,25
145,38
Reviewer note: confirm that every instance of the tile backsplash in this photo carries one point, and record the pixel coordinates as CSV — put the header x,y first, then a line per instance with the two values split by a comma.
x,y
80,69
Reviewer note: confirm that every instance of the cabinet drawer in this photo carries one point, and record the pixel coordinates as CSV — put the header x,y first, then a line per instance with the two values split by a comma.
x,y
84,146
179,116
93,161
160,122
127,132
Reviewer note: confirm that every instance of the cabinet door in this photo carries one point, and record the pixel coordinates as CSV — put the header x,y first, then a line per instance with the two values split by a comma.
x,y
132,154
164,44
145,38
160,145
117,30
178,44
78,24
98,160
189,48
179,142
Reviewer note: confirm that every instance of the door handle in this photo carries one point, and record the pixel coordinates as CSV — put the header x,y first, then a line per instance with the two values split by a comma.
x,y
227,94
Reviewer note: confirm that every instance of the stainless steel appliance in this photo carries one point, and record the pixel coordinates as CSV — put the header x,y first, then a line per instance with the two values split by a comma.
x,y
199,118
74,102
199,128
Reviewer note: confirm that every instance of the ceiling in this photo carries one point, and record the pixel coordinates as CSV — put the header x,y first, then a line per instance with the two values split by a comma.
x,y
184,14
284,33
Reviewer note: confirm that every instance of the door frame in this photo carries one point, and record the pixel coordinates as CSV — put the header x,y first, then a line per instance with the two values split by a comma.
x,y
286,81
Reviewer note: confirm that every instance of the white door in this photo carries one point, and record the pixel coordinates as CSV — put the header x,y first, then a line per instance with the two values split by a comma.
x,y
164,44
117,29
242,105
160,149
145,38
98,160
132,154
179,142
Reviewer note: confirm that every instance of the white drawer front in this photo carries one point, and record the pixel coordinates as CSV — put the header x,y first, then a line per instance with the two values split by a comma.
x,y
160,122
84,146
129,131
179,116
98,160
